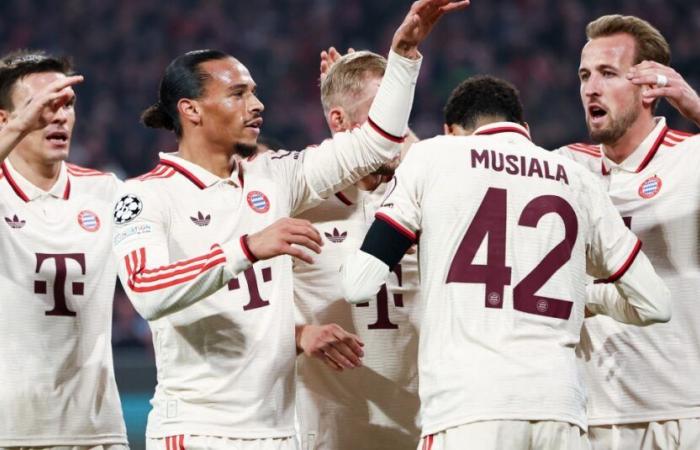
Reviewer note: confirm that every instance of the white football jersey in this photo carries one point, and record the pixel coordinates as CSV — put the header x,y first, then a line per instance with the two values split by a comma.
x,y
57,277
375,406
506,232
646,374
223,328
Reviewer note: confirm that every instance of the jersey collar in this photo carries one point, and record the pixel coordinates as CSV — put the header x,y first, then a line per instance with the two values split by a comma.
x,y
28,192
198,175
643,154
502,127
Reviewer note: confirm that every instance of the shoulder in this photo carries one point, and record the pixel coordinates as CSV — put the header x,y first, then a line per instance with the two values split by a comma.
x,y
580,150
94,182
681,139
159,172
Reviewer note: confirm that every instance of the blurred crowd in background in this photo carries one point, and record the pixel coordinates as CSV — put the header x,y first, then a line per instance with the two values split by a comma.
x,y
122,47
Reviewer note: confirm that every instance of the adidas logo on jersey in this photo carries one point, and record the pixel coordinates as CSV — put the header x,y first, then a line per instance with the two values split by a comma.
x,y
15,222
201,220
336,237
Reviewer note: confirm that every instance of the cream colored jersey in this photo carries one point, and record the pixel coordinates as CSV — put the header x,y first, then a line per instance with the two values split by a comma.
x,y
375,406
57,277
223,327
650,374
507,231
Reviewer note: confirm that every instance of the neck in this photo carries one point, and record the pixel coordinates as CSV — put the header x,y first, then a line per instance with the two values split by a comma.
x,y
41,175
628,143
218,161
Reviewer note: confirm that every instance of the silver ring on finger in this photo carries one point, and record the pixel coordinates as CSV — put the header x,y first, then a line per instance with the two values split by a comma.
x,y
661,80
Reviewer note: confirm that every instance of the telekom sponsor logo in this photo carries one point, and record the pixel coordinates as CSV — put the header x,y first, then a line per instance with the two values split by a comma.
x,y
60,280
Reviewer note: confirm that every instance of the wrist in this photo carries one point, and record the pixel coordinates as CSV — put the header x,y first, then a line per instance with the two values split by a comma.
x,y
15,127
406,49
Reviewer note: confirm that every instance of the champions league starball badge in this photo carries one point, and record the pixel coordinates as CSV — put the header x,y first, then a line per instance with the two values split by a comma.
x,y
127,209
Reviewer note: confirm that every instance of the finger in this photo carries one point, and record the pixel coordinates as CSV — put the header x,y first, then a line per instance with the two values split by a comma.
x,y
307,230
296,252
63,83
304,241
347,352
660,92
332,353
454,6
642,79
352,341
330,363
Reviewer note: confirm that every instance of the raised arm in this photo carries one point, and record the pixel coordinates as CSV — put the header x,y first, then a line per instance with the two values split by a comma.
x,y
350,156
666,83
35,114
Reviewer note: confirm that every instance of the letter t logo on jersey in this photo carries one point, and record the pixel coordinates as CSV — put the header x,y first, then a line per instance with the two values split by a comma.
x,y
59,283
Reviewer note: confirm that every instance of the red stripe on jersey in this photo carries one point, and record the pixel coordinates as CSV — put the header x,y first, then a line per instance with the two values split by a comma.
x,y
83,171
15,187
66,191
498,130
157,171
383,133
246,250
681,134
583,148
653,150
186,173
669,143
181,442
136,268
166,271
621,271
343,198
397,226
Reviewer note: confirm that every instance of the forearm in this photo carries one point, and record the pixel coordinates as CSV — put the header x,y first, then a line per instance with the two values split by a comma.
x,y
10,136
639,297
158,288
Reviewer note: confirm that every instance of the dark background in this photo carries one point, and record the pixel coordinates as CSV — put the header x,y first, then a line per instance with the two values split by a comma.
x,y
122,48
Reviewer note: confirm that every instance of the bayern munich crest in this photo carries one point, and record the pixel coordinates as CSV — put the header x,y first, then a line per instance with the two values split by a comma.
x,y
650,187
258,201
89,221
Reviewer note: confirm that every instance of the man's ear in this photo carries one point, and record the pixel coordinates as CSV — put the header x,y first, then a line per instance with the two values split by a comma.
x,y
456,130
190,111
338,120
4,117
446,129
647,102
527,126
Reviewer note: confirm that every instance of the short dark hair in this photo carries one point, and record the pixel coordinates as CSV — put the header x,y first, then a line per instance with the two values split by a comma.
x,y
183,78
18,64
483,96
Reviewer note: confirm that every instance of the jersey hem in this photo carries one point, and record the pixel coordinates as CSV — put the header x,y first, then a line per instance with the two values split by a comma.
x,y
107,439
438,427
224,432
656,416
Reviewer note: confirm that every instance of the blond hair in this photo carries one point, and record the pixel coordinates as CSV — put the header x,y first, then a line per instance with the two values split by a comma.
x,y
347,78
650,43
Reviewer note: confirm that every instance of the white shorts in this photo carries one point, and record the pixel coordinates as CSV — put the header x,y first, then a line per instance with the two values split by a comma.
x,y
508,434
193,442
682,434
73,447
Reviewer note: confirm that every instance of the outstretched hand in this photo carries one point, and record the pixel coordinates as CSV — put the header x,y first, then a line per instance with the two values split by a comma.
x,y
40,109
286,236
337,348
328,58
677,91
420,19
